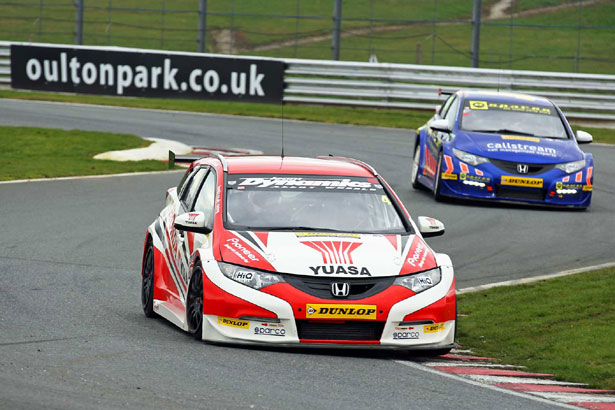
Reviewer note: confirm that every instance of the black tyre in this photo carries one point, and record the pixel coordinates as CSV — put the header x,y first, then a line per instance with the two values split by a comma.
x,y
437,183
194,302
147,281
414,176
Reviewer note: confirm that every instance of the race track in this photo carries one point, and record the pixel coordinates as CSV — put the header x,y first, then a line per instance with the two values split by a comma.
x,y
72,334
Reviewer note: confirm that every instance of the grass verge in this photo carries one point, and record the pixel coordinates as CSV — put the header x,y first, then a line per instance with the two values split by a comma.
x,y
562,326
47,153
336,115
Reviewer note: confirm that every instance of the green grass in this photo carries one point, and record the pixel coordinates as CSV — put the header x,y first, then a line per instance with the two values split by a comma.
x,y
338,115
140,24
533,48
562,326
47,153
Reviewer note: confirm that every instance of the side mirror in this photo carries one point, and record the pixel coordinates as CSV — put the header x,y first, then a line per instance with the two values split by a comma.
x,y
192,222
429,227
440,125
584,137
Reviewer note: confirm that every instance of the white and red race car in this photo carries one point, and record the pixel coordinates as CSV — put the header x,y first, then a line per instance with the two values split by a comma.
x,y
296,251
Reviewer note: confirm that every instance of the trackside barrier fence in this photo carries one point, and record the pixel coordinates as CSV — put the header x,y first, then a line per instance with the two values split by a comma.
x,y
381,85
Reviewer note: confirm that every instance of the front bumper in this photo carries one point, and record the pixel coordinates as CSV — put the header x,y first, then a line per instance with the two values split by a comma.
x,y
280,315
488,182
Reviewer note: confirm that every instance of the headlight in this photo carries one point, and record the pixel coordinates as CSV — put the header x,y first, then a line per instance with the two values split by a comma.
x,y
570,167
249,277
419,282
471,159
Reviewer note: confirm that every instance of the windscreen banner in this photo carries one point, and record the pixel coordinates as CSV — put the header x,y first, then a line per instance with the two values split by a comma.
x,y
145,73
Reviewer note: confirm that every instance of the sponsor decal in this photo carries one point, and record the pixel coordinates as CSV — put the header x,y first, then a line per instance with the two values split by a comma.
x,y
483,105
436,327
320,183
269,331
464,167
520,138
560,185
406,335
446,175
588,188
386,200
463,176
328,234
521,181
340,270
192,218
235,246
334,252
324,311
478,105
230,322
419,255
521,148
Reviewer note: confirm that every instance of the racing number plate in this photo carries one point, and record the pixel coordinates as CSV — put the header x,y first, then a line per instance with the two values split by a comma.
x,y
521,181
323,311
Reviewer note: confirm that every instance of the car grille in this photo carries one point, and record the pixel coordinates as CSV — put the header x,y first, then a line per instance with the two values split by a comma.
x,y
511,167
348,330
529,194
321,287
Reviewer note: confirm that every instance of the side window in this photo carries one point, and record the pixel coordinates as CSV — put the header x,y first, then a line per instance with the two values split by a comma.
x,y
445,106
451,114
188,173
189,194
205,200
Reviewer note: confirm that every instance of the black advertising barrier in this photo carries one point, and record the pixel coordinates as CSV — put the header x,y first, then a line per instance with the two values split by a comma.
x,y
140,73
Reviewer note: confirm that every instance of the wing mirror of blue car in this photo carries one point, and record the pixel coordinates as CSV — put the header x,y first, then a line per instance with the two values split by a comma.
x,y
193,222
440,125
429,227
584,137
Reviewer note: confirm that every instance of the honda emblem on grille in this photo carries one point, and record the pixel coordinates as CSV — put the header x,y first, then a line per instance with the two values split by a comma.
x,y
523,168
340,289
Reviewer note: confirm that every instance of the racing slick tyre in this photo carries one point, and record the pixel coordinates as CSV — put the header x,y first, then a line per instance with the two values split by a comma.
x,y
147,281
437,183
194,302
414,177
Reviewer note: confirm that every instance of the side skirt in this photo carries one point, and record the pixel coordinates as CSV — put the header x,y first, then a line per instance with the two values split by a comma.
x,y
171,313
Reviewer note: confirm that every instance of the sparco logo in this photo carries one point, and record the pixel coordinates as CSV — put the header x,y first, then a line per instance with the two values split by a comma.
x,y
340,270
334,252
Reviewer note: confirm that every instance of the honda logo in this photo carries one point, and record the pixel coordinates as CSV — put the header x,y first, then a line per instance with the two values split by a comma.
x,y
523,168
340,289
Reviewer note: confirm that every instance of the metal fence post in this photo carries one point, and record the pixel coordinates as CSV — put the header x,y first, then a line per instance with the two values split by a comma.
x,y
202,25
78,21
476,11
337,21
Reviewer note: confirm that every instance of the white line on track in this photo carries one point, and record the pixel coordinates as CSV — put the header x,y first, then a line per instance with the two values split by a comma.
x,y
576,397
520,380
535,278
126,174
486,386
448,363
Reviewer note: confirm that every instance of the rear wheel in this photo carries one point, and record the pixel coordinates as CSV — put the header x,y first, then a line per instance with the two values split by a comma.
x,y
147,281
194,302
438,179
414,178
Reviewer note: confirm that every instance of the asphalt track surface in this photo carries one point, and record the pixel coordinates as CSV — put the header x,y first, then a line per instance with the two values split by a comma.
x,y
72,333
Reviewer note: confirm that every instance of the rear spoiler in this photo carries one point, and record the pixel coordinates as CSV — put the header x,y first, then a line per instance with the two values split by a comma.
x,y
442,92
189,159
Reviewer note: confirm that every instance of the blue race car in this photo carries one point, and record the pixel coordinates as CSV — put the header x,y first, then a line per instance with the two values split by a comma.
x,y
503,146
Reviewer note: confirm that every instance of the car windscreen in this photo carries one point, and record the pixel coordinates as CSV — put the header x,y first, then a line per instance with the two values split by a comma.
x,y
512,118
310,202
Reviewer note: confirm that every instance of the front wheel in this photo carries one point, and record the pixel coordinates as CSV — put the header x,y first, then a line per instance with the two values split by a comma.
x,y
194,303
147,281
438,181
414,177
